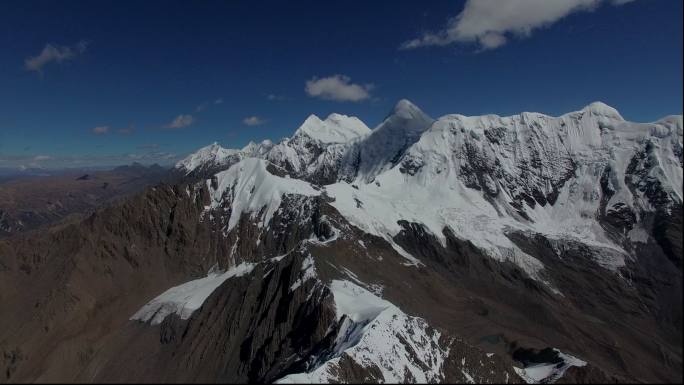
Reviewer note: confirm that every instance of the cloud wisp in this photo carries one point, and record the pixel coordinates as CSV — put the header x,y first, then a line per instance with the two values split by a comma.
x,y
54,54
253,121
491,23
201,107
126,130
100,130
204,105
276,98
338,88
180,121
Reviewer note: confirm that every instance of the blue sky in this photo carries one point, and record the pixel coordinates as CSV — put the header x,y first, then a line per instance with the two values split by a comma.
x,y
110,82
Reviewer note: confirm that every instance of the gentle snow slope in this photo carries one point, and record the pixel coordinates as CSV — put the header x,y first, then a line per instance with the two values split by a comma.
x,y
184,299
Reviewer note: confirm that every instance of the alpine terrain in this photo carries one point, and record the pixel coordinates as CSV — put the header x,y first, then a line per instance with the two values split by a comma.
x,y
469,249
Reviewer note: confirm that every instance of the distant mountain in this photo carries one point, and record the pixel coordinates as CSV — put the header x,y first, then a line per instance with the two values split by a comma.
x,y
526,248
213,158
30,201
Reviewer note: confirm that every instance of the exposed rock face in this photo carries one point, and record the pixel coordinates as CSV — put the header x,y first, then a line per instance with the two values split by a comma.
x,y
66,288
485,249
249,330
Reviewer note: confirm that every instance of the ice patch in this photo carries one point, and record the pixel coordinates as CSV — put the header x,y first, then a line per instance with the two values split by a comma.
x,y
184,299
550,372
307,272
468,377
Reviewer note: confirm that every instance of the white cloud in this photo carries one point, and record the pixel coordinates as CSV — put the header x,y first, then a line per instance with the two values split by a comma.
x,y
253,121
218,101
100,130
181,121
41,158
338,88
490,23
52,53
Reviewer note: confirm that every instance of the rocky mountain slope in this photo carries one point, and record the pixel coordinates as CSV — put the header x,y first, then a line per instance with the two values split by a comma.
x,y
527,248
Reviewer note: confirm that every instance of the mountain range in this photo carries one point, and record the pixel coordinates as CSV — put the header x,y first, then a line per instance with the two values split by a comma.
x,y
526,248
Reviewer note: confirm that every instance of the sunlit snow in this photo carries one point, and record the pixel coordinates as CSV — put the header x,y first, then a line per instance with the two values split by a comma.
x,y
184,299
377,333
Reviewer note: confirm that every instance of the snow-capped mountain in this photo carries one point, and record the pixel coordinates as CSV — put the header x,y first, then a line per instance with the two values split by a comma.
x,y
313,152
209,156
586,183
527,248
316,149
588,175
210,159
335,128
385,146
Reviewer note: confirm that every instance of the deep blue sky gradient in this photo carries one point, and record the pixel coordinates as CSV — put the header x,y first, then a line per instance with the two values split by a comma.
x,y
148,62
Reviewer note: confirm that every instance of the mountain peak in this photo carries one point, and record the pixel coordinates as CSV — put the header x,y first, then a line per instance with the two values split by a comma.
x,y
213,148
311,119
405,109
336,116
336,128
602,109
257,149
405,104
210,154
